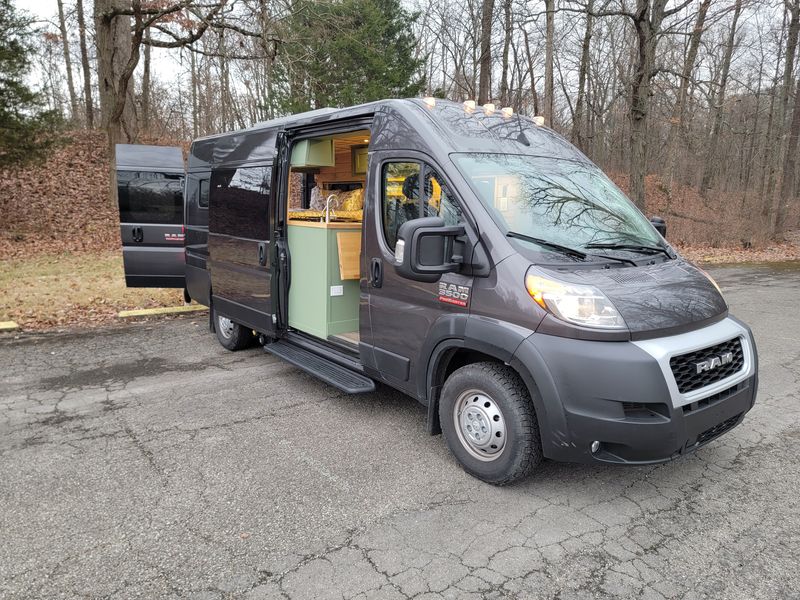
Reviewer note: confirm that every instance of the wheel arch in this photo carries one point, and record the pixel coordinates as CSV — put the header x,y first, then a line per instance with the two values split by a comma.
x,y
483,339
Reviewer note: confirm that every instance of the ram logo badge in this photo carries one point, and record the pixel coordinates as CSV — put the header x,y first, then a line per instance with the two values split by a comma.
x,y
450,293
714,362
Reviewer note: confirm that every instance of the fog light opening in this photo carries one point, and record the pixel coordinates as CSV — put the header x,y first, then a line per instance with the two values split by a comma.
x,y
595,447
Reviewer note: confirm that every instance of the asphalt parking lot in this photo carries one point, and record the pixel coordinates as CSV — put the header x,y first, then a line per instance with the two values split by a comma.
x,y
148,462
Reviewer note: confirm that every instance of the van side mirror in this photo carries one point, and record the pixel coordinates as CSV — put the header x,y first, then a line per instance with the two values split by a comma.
x,y
425,249
660,225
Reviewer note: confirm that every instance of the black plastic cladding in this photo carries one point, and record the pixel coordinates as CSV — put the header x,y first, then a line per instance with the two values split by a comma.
x,y
684,367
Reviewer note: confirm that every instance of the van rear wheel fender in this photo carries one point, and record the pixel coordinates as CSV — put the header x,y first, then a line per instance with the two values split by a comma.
x,y
489,422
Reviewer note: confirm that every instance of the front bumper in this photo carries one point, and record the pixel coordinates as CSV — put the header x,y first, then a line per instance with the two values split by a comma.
x,y
621,395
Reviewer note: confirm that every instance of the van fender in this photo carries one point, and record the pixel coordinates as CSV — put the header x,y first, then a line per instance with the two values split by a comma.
x,y
503,341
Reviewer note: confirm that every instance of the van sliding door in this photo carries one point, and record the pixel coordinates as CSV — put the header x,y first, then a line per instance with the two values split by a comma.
x,y
239,244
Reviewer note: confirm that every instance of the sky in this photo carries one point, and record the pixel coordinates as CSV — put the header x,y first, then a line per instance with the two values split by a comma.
x,y
163,63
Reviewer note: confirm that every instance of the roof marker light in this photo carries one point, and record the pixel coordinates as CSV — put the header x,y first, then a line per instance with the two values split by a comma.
x,y
489,108
538,120
469,105
507,112
429,101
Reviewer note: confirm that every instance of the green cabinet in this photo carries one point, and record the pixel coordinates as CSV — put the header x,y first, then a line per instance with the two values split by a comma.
x,y
313,153
320,302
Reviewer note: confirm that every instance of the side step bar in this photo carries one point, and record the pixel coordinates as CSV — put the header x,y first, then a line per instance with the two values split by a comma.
x,y
339,377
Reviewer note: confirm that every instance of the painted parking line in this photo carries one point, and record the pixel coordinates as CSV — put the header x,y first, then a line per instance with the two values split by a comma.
x,y
166,310
8,326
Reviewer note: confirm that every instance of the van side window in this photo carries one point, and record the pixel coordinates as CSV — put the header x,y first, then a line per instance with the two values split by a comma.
x,y
202,199
240,202
150,197
401,197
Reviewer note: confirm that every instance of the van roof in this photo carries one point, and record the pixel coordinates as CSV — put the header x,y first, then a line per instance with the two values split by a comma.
x,y
445,128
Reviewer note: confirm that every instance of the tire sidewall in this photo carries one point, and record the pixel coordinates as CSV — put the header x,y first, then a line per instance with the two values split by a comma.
x,y
518,445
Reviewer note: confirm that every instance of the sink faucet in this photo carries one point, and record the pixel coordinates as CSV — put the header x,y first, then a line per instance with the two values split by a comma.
x,y
328,210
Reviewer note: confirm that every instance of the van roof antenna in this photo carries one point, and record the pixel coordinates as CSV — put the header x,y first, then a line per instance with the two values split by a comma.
x,y
522,138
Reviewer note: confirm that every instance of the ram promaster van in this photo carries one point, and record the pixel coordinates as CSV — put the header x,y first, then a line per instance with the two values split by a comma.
x,y
476,261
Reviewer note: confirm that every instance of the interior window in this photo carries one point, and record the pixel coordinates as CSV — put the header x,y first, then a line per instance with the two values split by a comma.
x,y
202,199
440,202
150,197
245,194
404,196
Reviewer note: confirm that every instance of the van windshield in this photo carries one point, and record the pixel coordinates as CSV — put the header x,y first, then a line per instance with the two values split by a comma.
x,y
561,201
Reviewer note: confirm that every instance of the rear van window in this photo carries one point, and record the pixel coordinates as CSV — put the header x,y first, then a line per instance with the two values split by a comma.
x,y
150,197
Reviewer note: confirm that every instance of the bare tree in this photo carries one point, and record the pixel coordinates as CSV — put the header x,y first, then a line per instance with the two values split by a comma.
x,y
87,75
62,24
484,86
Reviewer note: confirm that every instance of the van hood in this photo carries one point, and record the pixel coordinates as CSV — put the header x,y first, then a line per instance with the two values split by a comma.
x,y
656,298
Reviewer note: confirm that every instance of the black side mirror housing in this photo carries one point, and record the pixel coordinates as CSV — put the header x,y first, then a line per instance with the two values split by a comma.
x,y
427,248
660,225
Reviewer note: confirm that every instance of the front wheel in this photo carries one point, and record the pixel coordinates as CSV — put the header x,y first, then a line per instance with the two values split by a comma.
x,y
231,335
489,423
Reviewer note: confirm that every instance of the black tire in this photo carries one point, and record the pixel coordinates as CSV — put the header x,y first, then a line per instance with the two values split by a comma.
x,y
231,335
494,395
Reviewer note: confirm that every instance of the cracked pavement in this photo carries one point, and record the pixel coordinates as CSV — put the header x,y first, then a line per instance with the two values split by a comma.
x,y
147,462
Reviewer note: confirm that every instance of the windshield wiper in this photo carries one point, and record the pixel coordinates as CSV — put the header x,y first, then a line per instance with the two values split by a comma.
x,y
631,247
548,244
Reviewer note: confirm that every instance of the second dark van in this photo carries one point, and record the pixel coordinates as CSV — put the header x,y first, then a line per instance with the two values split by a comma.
x,y
478,262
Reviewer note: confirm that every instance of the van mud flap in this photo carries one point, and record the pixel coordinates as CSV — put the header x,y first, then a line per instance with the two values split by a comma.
x,y
338,376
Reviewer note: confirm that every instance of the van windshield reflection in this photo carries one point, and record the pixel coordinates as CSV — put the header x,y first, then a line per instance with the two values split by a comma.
x,y
566,202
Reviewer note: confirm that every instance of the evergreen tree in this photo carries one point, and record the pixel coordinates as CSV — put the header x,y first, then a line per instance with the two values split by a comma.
x,y
345,52
27,129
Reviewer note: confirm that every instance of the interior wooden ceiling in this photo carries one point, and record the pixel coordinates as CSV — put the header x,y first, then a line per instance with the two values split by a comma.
x,y
355,138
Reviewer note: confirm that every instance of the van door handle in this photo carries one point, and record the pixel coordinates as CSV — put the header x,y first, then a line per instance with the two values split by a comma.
x,y
376,272
262,254
138,234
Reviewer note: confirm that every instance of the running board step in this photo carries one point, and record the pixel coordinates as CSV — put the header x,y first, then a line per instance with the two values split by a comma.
x,y
339,377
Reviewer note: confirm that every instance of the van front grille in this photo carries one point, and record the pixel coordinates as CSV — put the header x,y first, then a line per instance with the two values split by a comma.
x,y
700,368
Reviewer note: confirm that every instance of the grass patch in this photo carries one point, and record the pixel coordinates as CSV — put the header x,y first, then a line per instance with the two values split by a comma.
x,y
87,289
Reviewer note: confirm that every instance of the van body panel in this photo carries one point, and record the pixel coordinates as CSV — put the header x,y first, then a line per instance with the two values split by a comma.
x,y
150,202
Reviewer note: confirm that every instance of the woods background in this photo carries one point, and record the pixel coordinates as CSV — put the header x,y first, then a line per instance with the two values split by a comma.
x,y
690,105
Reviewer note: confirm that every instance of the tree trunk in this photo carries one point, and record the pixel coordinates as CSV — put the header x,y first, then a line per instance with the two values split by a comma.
x,y
583,74
146,83
73,98
485,60
780,119
647,27
789,162
679,110
548,60
507,30
117,57
529,57
713,155
87,74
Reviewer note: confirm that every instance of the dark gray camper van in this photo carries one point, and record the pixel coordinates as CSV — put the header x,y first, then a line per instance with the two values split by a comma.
x,y
476,261
150,198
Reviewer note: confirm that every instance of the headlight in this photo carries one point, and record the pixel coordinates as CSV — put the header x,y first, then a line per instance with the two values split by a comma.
x,y
580,304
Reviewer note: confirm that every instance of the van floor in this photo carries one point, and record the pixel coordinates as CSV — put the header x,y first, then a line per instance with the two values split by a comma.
x,y
349,338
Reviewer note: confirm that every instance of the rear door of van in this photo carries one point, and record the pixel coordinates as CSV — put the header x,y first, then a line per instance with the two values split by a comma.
x,y
150,182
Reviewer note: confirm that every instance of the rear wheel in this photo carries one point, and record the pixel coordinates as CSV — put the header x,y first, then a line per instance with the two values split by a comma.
x,y
489,423
231,335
